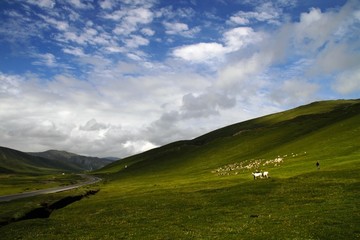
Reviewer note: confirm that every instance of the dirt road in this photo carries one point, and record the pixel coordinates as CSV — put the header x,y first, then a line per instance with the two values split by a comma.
x,y
88,180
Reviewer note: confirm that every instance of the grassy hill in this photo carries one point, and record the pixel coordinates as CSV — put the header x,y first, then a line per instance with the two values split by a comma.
x,y
78,162
203,188
21,172
322,131
13,161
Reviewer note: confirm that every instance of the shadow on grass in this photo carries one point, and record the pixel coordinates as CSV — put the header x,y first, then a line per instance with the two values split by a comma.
x,y
45,210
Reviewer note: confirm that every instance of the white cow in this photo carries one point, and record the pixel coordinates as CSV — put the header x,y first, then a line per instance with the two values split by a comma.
x,y
265,174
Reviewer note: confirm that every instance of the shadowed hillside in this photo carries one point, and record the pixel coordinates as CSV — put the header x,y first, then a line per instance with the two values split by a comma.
x,y
13,161
76,161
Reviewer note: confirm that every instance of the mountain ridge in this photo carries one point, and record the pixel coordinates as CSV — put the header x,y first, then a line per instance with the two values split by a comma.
x,y
80,162
15,161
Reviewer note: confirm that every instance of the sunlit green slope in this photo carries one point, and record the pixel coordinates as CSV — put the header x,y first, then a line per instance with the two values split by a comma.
x,y
328,132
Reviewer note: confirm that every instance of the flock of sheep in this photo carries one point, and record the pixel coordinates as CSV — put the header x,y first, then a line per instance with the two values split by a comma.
x,y
244,166
236,168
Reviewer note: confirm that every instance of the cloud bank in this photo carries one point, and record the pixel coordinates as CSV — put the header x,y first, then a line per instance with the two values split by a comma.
x,y
140,74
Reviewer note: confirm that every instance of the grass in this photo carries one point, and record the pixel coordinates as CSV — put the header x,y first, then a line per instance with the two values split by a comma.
x,y
317,205
17,183
16,209
173,192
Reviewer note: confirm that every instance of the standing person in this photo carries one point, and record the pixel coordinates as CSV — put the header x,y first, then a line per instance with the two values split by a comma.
x,y
317,165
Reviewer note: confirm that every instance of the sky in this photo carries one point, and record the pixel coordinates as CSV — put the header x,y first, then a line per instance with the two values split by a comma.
x,y
118,77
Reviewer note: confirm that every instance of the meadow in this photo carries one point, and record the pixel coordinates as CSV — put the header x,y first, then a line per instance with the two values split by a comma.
x,y
203,188
317,205
16,183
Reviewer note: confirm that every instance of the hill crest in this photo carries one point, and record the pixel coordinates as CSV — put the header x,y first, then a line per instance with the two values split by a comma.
x,y
14,161
79,162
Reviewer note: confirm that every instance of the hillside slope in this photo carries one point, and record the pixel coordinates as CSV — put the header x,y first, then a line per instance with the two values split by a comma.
x,y
321,131
78,162
13,161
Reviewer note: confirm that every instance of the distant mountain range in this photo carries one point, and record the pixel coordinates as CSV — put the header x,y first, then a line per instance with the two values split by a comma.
x,y
14,161
77,161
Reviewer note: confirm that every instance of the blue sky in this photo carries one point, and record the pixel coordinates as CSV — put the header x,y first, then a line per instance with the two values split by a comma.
x,y
117,77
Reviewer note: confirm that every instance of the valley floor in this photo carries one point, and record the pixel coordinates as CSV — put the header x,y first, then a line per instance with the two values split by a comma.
x,y
89,180
316,205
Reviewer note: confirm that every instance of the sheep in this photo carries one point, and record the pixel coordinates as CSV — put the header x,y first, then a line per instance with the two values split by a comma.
x,y
257,175
265,174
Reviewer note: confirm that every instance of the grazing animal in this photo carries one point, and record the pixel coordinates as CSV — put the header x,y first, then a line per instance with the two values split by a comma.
x,y
265,174
257,175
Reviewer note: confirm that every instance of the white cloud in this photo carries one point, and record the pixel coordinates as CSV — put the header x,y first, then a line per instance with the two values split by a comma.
x,y
16,20
308,28
10,84
166,129
205,105
334,49
234,39
59,25
93,125
43,3
76,51
200,52
115,49
144,3
130,19
46,59
296,91
124,29
80,4
334,26
348,82
107,4
135,41
239,19
116,15
237,38
138,146
85,36
178,28
265,12
71,36
175,28
169,13
346,58
240,77
147,31
134,57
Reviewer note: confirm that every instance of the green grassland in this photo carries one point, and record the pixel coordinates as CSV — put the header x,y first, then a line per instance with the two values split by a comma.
x,y
17,183
203,188
21,209
21,172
